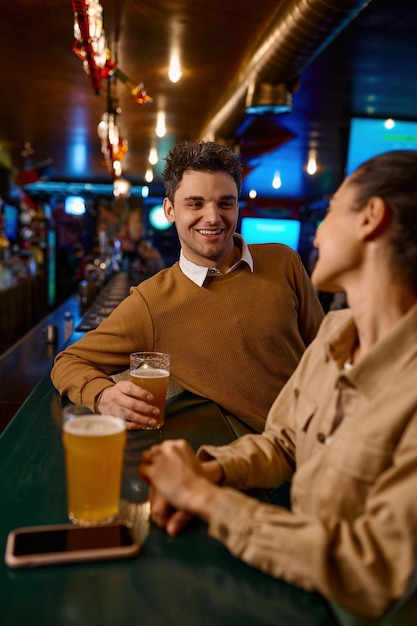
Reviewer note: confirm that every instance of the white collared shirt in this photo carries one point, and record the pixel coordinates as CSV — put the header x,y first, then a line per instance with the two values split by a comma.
x,y
198,273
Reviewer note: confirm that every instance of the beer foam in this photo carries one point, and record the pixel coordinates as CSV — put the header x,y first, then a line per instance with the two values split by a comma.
x,y
95,425
145,372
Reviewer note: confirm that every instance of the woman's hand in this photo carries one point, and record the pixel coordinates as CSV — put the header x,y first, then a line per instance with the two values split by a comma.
x,y
165,515
181,486
130,401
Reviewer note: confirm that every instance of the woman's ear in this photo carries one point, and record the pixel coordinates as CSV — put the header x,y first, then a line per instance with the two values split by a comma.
x,y
376,218
169,210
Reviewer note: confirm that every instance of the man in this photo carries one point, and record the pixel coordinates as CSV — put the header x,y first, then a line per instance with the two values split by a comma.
x,y
234,318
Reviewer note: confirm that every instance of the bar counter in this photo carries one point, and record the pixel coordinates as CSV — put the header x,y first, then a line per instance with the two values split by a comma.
x,y
24,364
190,579
21,306
30,358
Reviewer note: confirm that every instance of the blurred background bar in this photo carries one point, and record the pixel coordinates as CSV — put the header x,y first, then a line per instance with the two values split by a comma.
x,y
98,92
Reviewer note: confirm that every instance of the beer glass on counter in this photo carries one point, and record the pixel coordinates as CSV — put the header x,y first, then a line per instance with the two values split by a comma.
x,y
94,448
150,370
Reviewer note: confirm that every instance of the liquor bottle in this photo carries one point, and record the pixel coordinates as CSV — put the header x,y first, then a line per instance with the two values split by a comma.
x,y
68,325
4,242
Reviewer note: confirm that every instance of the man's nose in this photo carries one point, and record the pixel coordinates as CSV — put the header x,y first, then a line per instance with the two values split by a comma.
x,y
211,212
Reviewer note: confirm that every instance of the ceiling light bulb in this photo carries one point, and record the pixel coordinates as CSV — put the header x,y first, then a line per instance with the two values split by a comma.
x,y
276,181
253,193
149,175
174,72
312,162
153,156
160,124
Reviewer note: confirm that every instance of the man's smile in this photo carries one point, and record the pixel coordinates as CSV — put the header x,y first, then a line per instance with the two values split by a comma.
x,y
206,231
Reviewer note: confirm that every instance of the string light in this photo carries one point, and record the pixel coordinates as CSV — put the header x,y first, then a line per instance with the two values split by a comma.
x,y
117,168
113,146
121,187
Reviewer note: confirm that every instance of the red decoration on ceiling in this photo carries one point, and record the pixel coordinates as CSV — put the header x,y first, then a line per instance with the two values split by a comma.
x,y
33,174
91,47
264,135
247,169
84,43
139,92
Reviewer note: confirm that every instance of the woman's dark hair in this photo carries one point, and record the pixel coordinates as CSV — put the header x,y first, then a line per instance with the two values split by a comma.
x,y
199,156
392,176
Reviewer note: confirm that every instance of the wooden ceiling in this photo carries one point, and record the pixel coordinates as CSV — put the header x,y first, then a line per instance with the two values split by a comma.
x,y
49,111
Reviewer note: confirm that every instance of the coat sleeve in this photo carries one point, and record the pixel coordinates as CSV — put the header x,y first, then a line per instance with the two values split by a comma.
x,y
83,370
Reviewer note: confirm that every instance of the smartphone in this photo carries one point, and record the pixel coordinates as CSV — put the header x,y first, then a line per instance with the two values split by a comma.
x,y
49,545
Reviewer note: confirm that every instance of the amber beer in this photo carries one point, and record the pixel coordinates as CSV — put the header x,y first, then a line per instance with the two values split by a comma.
x,y
150,370
94,446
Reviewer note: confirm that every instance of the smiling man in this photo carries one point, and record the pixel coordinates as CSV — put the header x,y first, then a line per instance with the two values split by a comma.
x,y
234,318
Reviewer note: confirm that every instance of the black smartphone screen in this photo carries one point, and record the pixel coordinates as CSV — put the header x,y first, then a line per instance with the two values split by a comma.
x,y
72,539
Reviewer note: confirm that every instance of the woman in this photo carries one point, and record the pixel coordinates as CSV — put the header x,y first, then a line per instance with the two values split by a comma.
x,y
343,429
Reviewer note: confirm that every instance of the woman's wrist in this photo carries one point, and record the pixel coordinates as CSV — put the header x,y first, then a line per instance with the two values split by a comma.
x,y
203,499
213,471
205,490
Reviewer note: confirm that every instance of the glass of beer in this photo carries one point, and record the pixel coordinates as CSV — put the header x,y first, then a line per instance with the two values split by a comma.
x,y
150,370
94,449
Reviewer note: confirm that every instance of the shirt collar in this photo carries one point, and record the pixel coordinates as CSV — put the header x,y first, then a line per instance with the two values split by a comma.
x,y
339,344
397,351
198,273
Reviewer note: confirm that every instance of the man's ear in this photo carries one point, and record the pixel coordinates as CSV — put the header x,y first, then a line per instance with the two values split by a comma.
x,y
169,210
376,218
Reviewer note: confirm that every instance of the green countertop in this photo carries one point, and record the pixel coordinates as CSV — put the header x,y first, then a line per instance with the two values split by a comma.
x,y
190,579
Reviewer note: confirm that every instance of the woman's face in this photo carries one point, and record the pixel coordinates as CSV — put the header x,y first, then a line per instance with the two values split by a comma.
x,y
339,248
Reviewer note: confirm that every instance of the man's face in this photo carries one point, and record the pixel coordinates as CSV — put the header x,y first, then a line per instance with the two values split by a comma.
x,y
205,212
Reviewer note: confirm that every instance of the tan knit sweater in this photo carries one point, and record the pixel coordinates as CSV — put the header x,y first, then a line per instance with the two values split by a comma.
x,y
236,340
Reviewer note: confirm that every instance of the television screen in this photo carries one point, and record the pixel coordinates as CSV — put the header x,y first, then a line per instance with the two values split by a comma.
x,y
271,230
369,137
11,221
74,205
